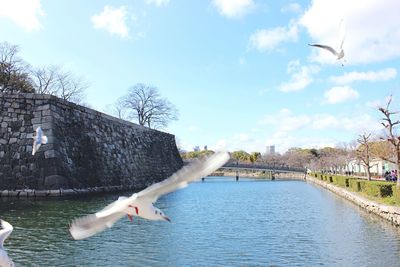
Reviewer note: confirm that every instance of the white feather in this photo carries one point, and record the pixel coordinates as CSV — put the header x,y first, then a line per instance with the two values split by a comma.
x,y
4,233
141,204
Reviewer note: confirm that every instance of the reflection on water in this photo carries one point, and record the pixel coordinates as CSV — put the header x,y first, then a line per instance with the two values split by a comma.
x,y
216,223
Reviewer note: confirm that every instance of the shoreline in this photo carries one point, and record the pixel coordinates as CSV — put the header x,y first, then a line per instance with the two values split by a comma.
x,y
387,212
54,193
61,192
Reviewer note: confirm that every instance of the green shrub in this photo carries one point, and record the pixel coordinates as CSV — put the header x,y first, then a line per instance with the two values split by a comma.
x,y
377,188
355,184
396,193
363,185
342,181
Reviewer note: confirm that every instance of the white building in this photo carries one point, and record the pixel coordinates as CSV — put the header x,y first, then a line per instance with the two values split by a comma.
x,y
378,166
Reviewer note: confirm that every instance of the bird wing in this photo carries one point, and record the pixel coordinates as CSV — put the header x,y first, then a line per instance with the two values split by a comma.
x,y
44,140
342,34
187,174
330,49
5,232
92,224
35,147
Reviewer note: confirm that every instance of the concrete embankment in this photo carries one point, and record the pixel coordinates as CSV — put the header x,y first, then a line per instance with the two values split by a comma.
x,y
390,213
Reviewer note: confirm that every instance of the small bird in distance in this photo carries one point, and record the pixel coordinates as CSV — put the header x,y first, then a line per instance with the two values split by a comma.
x,y
339,52
38,140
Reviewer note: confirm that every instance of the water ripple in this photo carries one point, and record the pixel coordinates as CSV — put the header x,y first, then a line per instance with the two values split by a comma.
x,y
216,223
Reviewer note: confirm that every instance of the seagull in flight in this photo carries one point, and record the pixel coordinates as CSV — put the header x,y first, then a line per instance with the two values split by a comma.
x,y
339,52
5,261
38,140
141,204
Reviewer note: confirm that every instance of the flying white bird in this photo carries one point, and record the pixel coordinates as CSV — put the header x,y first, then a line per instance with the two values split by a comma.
x,y
141,204
38,140
339,52
5,261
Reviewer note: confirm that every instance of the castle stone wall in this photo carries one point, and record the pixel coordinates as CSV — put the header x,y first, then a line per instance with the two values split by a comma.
x,y
86,148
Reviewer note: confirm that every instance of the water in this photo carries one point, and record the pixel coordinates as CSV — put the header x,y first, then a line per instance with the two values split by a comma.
x,y
216,223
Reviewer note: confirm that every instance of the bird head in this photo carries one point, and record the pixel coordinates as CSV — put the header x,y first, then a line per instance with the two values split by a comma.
x,y
161,216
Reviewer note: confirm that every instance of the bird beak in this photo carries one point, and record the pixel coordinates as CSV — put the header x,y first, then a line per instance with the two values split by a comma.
x,y
166,218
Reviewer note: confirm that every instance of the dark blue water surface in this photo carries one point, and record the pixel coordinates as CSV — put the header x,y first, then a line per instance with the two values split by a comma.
x,y
216,223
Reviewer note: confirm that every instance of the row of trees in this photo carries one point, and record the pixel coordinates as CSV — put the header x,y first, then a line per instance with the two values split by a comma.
x,y
365,149
16,76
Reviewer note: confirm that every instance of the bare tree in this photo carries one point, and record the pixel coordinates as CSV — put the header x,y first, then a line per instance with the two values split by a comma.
x,y
147,106
70,87
14,73
390,125
55,81
117,109
45,79
273,159
363,153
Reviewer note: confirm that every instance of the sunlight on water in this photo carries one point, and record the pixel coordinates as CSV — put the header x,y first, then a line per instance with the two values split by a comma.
x,y
216,223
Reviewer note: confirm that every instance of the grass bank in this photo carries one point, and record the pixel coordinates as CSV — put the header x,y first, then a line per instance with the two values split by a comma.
x,y
380,191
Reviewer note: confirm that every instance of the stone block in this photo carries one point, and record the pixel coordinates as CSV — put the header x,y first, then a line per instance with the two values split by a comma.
x,y
36,120
50,154
55,182
43,107
12,140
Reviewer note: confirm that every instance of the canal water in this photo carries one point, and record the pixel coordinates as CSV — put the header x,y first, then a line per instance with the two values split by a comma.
x,y
219,222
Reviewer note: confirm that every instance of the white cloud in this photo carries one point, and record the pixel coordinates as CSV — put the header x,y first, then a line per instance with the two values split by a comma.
x,y
158,3
371,28
357,123
25,13
292,7
285,121
301,76
112,20
289,127
371,76
233,8
284,141
238,142
340,94
269,39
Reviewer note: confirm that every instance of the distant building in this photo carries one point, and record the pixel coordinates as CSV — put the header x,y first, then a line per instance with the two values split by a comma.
x,y
378,167
205,148
270,150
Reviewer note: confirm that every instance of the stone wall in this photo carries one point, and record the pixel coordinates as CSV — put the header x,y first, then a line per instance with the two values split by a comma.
x,y
86,148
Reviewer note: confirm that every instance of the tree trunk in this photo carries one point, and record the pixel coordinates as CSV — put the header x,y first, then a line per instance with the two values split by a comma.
x,y
368,173
397,167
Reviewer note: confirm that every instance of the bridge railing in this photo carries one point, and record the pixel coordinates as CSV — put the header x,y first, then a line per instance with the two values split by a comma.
x,y
258,166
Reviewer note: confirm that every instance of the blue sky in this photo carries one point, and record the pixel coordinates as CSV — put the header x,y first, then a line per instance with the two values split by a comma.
x,y
240,72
